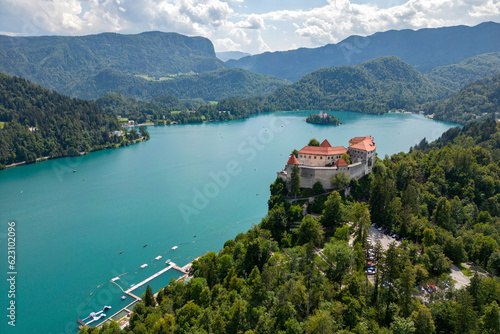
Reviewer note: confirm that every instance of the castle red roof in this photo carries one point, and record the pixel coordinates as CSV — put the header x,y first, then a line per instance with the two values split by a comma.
x,y
362,143
323,150
325,143
340,163
293,160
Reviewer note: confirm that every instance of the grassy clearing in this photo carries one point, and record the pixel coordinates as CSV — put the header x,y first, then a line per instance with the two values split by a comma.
x,y
466,271
1,125
143,76
167,77
175,112
212,102
122,119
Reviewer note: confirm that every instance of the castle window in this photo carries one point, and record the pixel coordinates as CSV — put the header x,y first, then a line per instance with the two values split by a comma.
x,y
321,158
314,157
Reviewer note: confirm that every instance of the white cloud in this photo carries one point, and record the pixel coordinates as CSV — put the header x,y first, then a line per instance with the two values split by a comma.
x,y
341,18
221,21
226,44
488,9
253,22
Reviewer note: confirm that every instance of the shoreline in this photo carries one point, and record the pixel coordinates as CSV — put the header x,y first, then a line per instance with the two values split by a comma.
x,y
47,158
185,270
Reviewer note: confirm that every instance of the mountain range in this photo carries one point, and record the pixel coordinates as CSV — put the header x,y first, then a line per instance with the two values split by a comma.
x,y
424,49
147,65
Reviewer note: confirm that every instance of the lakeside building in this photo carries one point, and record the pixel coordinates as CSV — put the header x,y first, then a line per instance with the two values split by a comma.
x,y
321,163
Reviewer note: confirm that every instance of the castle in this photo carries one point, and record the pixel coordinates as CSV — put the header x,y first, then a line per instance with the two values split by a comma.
x,y
321,163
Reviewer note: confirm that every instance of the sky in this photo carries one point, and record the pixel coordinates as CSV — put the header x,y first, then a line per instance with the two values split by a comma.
x,y
252,26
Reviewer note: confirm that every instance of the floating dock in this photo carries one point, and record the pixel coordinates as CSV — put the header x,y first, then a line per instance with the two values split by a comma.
x,y
128,308
150,278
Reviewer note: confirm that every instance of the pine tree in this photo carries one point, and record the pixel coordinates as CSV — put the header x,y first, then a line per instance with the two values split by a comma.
x,y
149,299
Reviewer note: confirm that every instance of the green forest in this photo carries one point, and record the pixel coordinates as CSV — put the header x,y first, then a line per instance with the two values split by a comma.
x,y
37,123
374,87
208,86
307,274
478,99
166,109
456,76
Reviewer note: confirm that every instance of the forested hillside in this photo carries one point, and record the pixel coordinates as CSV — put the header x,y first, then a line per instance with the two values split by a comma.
x,y
209,86
423,49
166,109
64,63
375,87
286,277
478,99
456,76
36,122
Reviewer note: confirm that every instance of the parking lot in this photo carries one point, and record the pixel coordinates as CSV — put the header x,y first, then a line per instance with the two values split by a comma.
x,y
376,235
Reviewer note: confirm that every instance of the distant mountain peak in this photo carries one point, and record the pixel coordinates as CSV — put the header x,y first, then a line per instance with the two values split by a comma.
x,y
423,49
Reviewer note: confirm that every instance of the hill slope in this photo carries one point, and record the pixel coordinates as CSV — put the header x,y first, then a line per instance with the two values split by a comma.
x,y
423,49
375,86
478,98
63,62
295,274
210,86
455,76
60,126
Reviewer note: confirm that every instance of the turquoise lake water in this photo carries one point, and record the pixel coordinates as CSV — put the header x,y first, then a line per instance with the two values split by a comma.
x,y
209,180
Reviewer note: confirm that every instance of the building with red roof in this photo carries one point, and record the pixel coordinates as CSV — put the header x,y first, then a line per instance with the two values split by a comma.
x,y
293,160
362,149
322,163
322,155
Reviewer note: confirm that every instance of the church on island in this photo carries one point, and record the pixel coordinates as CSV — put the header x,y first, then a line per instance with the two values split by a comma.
x,y
321,163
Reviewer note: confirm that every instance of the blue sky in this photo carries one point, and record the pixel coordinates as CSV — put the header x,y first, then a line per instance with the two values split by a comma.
x,y
252,26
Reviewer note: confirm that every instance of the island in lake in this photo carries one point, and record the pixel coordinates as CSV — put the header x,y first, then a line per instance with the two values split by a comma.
x,y
323,119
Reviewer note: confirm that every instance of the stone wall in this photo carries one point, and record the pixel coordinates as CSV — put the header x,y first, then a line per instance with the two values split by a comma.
x,y
310,174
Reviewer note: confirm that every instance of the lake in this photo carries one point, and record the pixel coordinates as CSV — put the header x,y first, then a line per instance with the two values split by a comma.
x,y
191,186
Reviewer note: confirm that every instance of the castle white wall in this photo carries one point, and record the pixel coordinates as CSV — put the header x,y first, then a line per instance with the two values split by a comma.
x,y
317,160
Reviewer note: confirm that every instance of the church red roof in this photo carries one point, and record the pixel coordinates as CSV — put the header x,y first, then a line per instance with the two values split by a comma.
x,y
362,143
340,163
293,160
